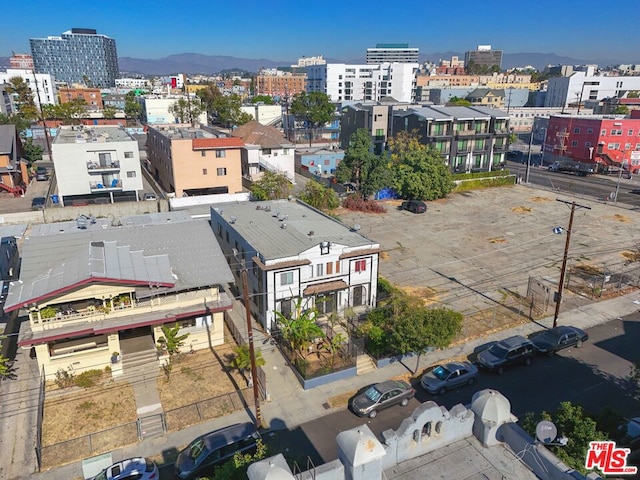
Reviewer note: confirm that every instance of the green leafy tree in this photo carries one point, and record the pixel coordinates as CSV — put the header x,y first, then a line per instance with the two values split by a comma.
x,y
320,197
314,108
419,172
225,109
16,119
109,112
271,186
187,110
23,98
361,166
300,329
236,468
241,360
172,340
621,110
6,369
458,102
132,108
70,112
31,151
633,94
574,424
266,99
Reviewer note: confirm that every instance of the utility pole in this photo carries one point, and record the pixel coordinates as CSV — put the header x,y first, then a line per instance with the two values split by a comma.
x,y
526,176
564,258
252,352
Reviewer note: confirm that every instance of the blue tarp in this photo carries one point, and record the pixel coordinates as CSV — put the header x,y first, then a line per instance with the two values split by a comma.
x,y
386,194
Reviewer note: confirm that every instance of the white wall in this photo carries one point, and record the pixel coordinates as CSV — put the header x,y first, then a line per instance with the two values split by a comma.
x,y
565,90
264,114
45,84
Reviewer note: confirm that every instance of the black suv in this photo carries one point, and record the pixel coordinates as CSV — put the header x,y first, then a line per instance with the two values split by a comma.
x,y
507,352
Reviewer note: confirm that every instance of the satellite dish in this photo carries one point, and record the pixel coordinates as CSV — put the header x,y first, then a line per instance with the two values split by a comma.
x,y
546,431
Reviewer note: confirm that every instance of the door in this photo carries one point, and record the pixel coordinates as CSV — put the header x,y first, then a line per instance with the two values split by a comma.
x,y
358,294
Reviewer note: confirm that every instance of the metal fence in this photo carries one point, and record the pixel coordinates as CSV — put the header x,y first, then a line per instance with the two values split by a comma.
x,y
601,282
39,418
87,445
204,410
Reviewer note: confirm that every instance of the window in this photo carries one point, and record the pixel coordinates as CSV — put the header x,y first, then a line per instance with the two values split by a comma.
x,y
361,265
603,131
128,154
266,151
204,171
630,133
285,151
319,270
221,153
338,262
587,144
589,131
203,153
576,130
637,146
330,268
286,278
379,132
131,174
574,143
221,171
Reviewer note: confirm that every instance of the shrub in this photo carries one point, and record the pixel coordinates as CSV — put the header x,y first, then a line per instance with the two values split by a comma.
x,y
89,378
359,204
65,379
48,312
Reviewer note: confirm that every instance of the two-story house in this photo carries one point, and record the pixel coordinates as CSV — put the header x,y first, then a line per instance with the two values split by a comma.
x,y
265,148
188,160
96,162
94,292
292,251
13,169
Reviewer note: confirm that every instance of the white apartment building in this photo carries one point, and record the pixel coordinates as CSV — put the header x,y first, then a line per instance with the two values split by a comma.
x,y
587,87
308,61
343,82
132,83
46,92
101,162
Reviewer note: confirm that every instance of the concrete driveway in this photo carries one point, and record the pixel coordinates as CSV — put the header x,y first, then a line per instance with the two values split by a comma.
x,y
476,251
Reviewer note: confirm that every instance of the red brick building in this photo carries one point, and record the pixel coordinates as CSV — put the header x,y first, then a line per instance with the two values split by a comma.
x,y
605,140
91,96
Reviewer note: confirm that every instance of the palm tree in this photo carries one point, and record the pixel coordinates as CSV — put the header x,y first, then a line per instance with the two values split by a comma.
x,y
241,360
172,341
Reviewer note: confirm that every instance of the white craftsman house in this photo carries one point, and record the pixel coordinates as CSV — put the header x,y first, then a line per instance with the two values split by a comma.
x,y
95,292
293,251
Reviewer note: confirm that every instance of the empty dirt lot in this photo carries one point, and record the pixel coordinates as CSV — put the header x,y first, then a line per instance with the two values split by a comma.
x,y
476,251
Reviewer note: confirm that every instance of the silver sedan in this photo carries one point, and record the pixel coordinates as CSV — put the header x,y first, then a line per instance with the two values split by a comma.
x,y
450,375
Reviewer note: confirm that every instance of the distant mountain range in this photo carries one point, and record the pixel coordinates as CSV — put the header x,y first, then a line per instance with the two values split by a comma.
x,y
194,63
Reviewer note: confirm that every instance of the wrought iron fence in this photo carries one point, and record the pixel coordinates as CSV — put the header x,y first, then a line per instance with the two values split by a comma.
x,y
598,282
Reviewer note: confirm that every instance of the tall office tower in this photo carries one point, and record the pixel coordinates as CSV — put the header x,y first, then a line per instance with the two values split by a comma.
x,y
390,53
483,56
77,56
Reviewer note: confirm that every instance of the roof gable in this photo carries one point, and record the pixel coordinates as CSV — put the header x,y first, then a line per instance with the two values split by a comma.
x,y
254,133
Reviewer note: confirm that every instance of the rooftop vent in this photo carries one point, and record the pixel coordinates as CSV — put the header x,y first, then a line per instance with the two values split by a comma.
x,y
283,226
311,233
232,219
356,227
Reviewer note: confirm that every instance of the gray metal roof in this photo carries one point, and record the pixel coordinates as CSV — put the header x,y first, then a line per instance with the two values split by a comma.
x,y
185,253
493,112
260,224
461,113
16,231
431,113
8,140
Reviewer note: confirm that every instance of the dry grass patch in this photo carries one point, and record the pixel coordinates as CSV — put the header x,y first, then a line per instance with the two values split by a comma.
x,y
521,209
589,269
197,377
621,218
540,199
92,410
426,294
384,255
498,240
631,256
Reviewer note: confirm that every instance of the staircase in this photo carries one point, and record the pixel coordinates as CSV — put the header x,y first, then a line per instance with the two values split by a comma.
x,y
139,366
365,364
151,426
16,191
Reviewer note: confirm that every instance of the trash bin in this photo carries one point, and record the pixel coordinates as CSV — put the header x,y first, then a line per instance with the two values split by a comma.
x,y
54,199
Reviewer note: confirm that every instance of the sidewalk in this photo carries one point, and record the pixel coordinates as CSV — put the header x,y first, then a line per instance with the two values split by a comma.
x,y
288,405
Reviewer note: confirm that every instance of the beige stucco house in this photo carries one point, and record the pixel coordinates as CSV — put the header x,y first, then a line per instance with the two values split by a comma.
x,y
91,289
188,160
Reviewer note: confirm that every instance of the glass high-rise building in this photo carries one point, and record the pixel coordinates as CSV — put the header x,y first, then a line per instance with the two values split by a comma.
x,y
390,53
77,56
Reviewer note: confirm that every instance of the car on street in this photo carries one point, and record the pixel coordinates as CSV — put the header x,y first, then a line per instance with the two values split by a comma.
x,y
415,206
379,396
41,174
4,290
138,468
505,353
449,376
150,196
555,339
38,203
215,448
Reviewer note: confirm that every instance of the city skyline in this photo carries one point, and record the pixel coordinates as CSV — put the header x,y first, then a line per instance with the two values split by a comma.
x,y
281,30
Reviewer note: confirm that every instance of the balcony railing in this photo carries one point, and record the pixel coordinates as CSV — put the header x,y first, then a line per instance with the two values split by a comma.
x,y
155,306
95,167
465,133
114,184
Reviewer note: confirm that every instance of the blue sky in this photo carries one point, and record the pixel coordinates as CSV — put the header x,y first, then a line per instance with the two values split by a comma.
x,y
285,30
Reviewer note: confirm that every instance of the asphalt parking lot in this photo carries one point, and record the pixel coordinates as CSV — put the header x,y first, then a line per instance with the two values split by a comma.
x,y
478,249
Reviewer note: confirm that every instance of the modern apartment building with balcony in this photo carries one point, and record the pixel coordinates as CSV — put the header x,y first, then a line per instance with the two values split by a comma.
x,y
91,294
94,162
469,138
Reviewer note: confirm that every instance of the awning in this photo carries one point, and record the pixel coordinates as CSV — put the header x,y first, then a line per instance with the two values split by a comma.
x,y
325,287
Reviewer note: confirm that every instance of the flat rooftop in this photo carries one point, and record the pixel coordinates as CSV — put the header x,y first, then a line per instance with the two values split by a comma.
x,y
92,134
177,132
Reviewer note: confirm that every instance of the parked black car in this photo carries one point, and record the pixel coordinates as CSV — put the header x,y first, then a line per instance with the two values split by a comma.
x,y
507,352
41,174
379,396
554,339
415,206
38,203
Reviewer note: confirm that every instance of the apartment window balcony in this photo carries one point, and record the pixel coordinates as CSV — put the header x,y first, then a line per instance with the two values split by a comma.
x,y
465,133
113,184
119,308
96,167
